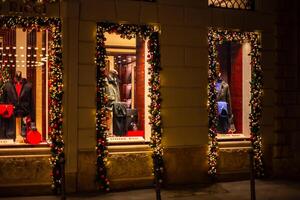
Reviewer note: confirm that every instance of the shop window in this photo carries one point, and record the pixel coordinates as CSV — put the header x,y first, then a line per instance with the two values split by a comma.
x,y
23,85
127,89
234,92
233,89
234,4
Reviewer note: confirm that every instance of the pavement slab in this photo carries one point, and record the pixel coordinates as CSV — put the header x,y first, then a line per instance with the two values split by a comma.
x,y
240,190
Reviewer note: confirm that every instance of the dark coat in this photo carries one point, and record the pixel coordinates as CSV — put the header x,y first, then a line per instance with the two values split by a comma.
x,y
119,119
24,104
224,95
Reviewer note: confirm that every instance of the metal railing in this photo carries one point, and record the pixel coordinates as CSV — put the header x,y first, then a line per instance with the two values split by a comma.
x,y
233,4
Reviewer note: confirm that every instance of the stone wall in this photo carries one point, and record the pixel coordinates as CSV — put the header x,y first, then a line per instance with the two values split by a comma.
x,y
184,58
286,149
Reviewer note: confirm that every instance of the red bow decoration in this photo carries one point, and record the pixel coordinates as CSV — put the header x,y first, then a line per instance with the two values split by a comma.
x,y
6,110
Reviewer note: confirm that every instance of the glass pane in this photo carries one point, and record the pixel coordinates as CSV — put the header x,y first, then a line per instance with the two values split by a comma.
x,y
126,74
23,85
233,88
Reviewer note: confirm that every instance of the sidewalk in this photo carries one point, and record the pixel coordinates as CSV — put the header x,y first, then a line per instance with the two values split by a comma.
x,y
265,190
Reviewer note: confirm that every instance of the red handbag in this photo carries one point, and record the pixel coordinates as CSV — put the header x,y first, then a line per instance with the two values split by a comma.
x,y
32,134
6,110
33,137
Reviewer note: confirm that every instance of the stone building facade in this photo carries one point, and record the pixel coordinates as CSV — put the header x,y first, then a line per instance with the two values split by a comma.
x,y
184,59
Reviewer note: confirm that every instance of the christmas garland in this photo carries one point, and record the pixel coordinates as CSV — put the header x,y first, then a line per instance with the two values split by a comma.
x,y
217,37
55,84
128,31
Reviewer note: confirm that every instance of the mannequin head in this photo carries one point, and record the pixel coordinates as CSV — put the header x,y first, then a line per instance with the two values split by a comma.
x,y
18,76
114,72
218,70
113,76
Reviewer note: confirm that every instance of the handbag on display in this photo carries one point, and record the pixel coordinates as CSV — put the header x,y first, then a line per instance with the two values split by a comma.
x,y
132,119
119,119
6,110
33,136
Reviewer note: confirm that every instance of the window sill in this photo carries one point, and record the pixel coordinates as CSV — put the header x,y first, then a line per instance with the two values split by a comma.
x,y
24,149
133,148
136,140
232,137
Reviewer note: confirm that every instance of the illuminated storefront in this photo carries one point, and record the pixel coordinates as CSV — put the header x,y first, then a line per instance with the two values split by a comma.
x,y
117,93
30,98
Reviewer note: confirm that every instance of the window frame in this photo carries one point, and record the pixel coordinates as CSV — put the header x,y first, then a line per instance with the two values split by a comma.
x,y
150,32
217,36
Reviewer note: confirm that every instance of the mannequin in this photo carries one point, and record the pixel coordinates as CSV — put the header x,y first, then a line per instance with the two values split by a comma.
x,y
225,117
113,87
19,93
118,108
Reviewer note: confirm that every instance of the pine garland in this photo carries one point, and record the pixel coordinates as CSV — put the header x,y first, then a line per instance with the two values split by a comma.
x,y
128,31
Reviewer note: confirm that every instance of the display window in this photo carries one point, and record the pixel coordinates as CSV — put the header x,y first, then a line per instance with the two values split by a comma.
x,y
232,86
24,85
235,92
127,91
128,97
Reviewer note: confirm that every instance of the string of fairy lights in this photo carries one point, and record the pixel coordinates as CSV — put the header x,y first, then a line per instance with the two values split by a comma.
x,y
10,58
128,31
53,25
217,37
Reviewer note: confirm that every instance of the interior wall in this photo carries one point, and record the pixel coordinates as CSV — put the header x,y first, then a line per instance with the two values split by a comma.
x,y
246,87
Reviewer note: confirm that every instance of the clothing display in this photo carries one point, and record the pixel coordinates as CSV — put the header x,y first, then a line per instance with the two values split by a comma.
x,y
125,97
18,93
225,116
